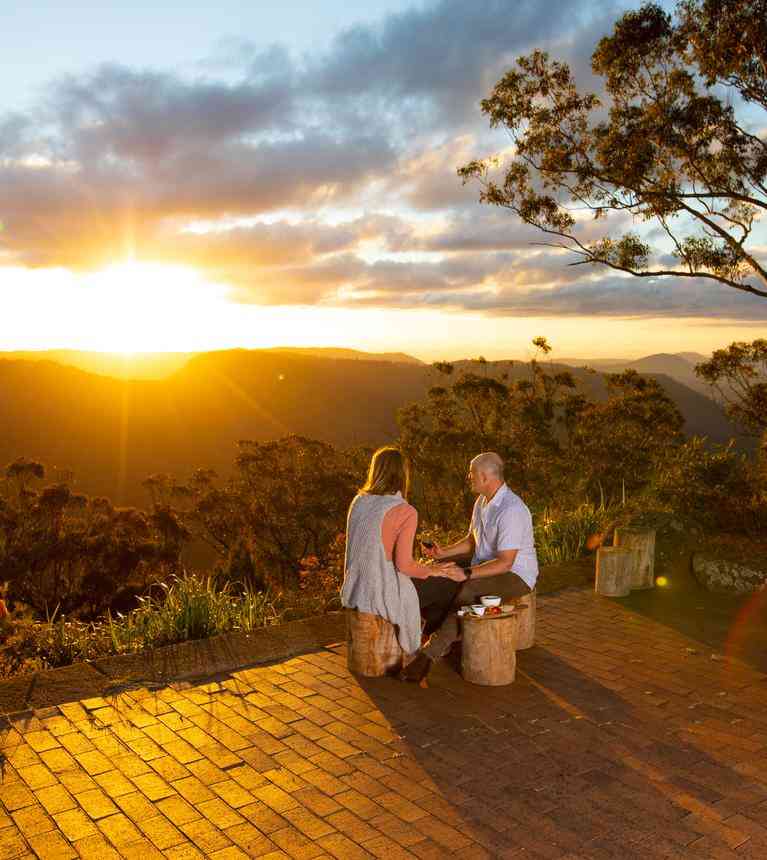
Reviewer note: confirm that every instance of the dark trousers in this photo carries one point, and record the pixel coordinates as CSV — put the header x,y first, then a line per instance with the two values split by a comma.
x,y
436,595
504,585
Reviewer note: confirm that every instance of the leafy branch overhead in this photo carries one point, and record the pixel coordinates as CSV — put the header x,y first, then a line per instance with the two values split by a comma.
x,y
666,145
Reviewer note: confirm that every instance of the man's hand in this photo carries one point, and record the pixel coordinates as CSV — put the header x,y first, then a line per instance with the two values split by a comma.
x,y
451,571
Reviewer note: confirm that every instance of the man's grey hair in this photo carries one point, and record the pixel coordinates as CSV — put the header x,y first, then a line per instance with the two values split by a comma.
x,y
490,463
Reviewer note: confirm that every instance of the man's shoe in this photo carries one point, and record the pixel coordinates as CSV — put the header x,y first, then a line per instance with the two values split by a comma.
x,y
417,669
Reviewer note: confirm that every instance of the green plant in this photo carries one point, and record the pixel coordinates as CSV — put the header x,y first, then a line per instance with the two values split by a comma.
x,y
561,535
189,607
186,607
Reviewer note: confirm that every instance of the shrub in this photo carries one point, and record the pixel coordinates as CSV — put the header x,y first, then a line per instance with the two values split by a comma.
x,y
186,607
562,535
189,607
715,485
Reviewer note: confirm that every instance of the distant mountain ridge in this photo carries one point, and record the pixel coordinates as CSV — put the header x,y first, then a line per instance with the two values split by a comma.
x,y
679,366
348,354
152,365
159,365
113,433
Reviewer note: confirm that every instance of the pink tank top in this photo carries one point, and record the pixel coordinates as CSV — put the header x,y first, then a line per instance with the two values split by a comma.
x,y
398,533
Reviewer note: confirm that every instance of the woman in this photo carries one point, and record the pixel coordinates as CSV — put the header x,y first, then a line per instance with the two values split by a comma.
x,y
380,575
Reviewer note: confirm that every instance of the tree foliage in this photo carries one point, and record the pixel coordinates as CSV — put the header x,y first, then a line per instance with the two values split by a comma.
x,y
738,375
561,446
61,550
666,144
287,501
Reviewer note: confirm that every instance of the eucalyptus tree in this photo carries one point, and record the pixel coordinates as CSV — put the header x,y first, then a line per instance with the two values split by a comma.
x,y
676,139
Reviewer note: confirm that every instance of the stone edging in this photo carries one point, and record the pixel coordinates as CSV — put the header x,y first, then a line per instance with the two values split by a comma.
x,y
109,675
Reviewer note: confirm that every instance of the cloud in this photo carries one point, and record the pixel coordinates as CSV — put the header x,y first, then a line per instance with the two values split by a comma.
x,y
315,129
120,114
509,283
598,296
276,244
359,143
444,56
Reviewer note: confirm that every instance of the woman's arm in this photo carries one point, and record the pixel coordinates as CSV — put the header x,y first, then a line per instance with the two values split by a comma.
x,y
399,528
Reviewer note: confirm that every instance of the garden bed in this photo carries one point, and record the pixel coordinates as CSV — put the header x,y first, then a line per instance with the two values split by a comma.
x,y
109,676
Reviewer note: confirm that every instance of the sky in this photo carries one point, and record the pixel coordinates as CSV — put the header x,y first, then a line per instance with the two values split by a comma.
x,y
183,176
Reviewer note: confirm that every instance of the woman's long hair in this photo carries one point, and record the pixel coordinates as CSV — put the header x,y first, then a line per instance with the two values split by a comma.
x,y
389,473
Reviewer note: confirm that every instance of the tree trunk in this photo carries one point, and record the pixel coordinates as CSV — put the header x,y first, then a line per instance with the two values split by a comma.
x,y
643,541
489,646
372,649
615,569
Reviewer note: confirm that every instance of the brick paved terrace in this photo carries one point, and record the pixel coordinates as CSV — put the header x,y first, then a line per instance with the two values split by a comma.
x,y
620,738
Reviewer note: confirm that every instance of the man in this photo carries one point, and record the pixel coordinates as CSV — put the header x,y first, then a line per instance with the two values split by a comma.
x,y
502,549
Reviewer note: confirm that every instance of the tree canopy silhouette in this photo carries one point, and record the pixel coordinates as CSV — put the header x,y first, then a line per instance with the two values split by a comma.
x,y
738,374
666,144
561,445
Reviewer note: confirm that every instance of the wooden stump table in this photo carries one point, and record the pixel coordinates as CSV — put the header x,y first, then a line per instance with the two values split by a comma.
x,y
643,541
489,649
527,607
615,569
372,649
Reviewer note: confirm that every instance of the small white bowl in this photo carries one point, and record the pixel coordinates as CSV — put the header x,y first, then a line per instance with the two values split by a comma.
x,y
478,609
490,600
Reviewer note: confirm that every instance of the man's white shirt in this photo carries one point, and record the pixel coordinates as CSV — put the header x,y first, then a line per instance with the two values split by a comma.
x,y
505,523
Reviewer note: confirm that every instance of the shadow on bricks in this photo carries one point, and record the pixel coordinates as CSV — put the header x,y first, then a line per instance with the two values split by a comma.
x,y
588,754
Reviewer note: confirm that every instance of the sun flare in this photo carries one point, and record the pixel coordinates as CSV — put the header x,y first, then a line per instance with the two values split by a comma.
x,y
143,306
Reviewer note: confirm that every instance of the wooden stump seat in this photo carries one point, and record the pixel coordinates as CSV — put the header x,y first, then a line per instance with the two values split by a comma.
x,y
615,570
488,655
372,649
643,541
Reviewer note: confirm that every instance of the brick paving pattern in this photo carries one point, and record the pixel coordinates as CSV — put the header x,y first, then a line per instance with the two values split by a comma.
x,y
620,738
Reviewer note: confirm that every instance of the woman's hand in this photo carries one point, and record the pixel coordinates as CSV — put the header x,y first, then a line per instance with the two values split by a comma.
x,y
451,571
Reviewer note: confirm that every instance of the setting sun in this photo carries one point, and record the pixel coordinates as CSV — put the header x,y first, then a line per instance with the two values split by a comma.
x,y
140,307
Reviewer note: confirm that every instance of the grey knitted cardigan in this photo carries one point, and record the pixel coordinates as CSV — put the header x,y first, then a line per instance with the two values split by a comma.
x,y
371,582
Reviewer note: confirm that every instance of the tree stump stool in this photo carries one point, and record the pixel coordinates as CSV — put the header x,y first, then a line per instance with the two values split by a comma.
x,y
527,607
615,569
643,541
489,649
372,649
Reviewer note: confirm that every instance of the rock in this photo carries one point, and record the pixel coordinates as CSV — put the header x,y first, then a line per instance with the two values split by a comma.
x,y
724,575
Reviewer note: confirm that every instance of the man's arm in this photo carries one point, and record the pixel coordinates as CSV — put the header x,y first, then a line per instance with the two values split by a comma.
x,y
500,564
463,547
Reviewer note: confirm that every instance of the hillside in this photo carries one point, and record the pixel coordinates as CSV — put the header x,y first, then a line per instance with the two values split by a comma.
x,y
159,365
139,365
348,354
679,366
113,433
